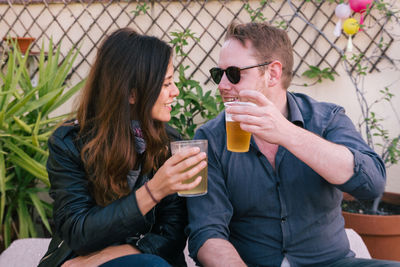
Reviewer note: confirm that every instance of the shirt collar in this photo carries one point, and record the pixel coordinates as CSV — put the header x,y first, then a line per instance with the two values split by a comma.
x,y
295,115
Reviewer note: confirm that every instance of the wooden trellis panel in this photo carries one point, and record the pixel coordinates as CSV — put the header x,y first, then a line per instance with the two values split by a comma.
x,y
86,23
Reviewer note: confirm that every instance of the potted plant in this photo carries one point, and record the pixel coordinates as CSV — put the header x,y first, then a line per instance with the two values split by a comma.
x,y
377,221
25,125
23,43
380,231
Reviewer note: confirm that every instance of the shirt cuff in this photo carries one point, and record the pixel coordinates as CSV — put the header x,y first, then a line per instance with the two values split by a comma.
x,y
361,185
196,243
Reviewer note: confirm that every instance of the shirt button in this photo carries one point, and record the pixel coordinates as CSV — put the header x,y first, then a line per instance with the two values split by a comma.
x,y
283,219
278,184
284,251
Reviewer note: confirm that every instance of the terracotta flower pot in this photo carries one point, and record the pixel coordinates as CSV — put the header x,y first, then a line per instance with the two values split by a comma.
x,y
23,42
381,233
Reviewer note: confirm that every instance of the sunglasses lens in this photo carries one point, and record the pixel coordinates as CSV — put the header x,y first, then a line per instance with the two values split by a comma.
x,y
216,74
233,74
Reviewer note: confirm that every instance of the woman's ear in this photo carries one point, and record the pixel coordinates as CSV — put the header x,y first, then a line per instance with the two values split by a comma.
x,y
275,73
131,99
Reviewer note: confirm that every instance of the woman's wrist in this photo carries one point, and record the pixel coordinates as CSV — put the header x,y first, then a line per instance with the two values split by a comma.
x,y
150,193
144,200
157,193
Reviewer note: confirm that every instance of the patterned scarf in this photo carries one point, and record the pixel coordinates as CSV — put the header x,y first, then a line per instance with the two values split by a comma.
x,y
140,146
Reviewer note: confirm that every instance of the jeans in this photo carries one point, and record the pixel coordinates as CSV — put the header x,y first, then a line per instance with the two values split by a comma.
x,y
137,260
357,262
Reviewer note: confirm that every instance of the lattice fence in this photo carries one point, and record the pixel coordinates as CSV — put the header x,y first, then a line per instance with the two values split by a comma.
x,y
86,23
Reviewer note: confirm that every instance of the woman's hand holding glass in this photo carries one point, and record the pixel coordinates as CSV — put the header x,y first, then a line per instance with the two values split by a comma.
x,y
168,179
176,169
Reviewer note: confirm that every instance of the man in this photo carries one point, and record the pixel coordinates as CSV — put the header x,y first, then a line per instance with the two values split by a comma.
x,y
279,203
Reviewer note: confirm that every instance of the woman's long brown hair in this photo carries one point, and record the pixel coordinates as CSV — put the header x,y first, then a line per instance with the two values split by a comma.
x,y
127,64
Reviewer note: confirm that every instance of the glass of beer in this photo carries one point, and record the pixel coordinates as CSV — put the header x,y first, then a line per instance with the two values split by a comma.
x,y
237,140
200,189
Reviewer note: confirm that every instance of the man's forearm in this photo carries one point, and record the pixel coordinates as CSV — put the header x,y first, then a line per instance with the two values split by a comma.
x,y
335,163
219,253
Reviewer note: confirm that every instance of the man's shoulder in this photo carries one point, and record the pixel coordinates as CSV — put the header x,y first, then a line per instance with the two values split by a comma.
x,y
304,99
214,126
311,107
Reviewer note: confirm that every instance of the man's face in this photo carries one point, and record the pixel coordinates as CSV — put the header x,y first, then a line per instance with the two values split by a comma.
x,y
233,53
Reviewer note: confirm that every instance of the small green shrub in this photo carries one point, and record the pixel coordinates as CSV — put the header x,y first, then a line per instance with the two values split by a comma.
x,y
25,125
194,106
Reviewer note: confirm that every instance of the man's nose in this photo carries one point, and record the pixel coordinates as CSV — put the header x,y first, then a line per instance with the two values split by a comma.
x,y
224,84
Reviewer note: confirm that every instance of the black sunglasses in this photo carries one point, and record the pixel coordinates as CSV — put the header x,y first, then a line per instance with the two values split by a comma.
x,y
232,73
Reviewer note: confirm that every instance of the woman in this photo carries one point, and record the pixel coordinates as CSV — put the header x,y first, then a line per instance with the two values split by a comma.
x,y
111,180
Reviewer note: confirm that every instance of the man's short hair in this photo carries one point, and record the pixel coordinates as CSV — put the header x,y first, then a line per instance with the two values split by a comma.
x,y
270,43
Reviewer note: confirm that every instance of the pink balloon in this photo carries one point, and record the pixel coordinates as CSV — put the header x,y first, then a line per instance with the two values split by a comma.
x,y
359,5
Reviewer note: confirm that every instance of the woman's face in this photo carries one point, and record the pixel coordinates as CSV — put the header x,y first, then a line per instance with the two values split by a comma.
x,y
161,110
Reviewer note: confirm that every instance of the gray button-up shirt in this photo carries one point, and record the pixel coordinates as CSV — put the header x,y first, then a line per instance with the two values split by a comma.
x,y
290,211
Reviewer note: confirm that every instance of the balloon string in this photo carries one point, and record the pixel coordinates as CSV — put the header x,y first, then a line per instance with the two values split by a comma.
x,y
361,21
338,28
349,44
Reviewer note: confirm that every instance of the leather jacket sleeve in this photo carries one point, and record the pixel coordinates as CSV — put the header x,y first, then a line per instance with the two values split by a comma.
x,y
167,238
87,227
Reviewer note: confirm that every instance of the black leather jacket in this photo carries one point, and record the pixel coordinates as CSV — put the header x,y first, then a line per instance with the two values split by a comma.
x,y
87,227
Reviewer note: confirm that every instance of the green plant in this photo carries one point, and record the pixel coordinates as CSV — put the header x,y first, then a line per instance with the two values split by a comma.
x,y
314,72
390,146
193,107
140,8
25,125
256,14
371,124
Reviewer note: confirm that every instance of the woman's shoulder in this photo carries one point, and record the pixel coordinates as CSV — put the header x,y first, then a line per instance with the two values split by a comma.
x,y
66,137
172,133
68,129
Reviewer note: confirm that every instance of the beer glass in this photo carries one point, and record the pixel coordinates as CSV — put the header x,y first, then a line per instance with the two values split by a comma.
x,y
200,189
237,140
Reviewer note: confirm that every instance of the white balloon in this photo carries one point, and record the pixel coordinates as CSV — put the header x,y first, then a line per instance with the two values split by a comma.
x,y
342,11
